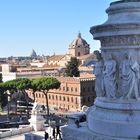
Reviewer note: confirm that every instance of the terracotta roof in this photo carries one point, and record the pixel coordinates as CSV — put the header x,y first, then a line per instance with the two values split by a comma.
x,y
86,56
55,57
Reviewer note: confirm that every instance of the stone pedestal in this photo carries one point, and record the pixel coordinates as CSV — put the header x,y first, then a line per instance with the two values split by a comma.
x,y
37,121
116,111
119,118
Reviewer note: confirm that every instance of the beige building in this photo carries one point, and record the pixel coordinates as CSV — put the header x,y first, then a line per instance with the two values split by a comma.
x,y
78,48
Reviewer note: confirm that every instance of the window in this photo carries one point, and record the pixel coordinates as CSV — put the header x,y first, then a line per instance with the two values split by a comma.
x,y
88,99
84,89
53,97
49,96
67,88
68,99
93,88
88,89
63,98
56,97
72,89
78,53
60,98
76,100
63,88
75,89
84,99
71,99
42,96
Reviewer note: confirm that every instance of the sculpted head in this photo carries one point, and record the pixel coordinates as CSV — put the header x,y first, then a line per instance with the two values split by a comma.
x,y
98,55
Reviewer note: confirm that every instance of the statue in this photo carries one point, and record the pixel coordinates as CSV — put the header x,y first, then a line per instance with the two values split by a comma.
x,y
99,75
36,108
130,75
109,77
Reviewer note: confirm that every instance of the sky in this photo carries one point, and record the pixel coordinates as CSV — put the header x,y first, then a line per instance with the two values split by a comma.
x,y
48,26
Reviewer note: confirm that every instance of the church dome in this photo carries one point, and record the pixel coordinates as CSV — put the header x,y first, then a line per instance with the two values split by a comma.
x,y
79,41
33,54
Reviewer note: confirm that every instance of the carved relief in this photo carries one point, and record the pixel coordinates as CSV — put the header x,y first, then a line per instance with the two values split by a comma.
x,y
107,84
121,40
109,77
130,75
99,74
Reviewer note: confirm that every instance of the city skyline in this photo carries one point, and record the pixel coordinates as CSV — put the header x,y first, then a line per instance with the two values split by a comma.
x,y
47,26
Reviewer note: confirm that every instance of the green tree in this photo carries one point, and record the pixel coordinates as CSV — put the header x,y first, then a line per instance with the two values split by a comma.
x,y
34,88
72,68
19,85
3,96
23,84
45,84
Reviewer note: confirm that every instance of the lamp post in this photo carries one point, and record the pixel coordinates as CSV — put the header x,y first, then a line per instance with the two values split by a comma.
x,y
8,97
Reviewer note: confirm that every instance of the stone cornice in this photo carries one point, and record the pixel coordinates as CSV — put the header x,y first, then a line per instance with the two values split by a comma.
x,y
115,30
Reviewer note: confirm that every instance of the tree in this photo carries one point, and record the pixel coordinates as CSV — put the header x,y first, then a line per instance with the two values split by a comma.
x,y
72,68
3,96
18,85
23,84
34,88
45,84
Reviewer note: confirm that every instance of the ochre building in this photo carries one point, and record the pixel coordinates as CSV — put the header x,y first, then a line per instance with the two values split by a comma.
x,y
73,93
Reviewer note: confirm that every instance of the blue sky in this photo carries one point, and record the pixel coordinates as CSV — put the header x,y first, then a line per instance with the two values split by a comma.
x,y
47,26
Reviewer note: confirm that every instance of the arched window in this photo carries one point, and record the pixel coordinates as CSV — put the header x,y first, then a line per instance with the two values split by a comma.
x,y
63,98
56,97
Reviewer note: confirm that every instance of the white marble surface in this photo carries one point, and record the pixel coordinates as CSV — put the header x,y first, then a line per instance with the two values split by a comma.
x,y
71,132
115,114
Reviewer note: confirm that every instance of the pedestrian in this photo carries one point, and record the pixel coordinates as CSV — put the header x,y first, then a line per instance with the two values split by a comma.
x,y
58,132
53,133
46,135
77,123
